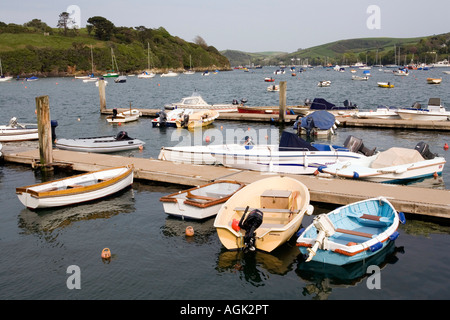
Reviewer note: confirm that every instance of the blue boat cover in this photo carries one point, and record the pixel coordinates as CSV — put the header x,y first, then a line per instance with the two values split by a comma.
x,y
319,119
290,141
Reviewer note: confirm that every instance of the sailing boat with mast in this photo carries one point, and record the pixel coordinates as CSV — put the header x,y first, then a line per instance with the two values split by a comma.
x,y
2,77
190,71
112,73
147,74
91,77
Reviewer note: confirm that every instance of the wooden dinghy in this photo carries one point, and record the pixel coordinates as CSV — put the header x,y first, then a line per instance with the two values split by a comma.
x,y
351,233
263,215
76,189
200,202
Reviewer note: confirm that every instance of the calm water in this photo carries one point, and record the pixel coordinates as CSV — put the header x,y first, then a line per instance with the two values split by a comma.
x,y
152,258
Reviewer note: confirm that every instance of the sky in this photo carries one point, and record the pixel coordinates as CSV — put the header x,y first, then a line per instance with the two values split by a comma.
x,y
251,25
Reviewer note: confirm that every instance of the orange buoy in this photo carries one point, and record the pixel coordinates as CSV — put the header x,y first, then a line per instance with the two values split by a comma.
x,y
435,175
446,146
189,231
106,253
207,139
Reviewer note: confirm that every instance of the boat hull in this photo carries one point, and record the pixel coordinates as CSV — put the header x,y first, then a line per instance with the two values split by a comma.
x,y
278,224
358,231
99,144
201,202
423,115
77,189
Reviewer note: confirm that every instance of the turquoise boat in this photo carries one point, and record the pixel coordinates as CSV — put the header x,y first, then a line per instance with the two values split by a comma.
x,y
351,233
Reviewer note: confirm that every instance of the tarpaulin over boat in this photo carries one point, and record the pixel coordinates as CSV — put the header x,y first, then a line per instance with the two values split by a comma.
x,y
322,104
395,157
319,119
290,142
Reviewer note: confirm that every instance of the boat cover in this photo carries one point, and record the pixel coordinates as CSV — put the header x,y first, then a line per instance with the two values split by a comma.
x,y
290,141
319,119
322,104
396,157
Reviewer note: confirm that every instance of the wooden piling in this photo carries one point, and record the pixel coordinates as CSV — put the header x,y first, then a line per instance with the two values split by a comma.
x,y
45,132
282,112
101,91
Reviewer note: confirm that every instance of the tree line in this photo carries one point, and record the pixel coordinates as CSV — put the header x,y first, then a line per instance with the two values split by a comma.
x,y
130,46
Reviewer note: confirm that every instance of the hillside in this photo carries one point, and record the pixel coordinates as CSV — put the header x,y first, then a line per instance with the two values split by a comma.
x,y
27,50
373,50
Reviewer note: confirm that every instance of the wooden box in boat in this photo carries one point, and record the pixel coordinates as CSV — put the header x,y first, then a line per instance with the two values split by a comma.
x,y
76,189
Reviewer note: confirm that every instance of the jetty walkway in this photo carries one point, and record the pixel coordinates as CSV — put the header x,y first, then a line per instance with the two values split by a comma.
x,y
413,200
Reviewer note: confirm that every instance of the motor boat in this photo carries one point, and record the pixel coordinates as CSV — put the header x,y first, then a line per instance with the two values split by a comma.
x,y
433,112
195,101
15,131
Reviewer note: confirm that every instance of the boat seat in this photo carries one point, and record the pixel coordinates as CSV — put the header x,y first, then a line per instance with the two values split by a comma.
x,y
354,233
198,197
74,186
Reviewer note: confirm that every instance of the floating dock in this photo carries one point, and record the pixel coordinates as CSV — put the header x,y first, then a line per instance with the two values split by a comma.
x,y
344,121
413,200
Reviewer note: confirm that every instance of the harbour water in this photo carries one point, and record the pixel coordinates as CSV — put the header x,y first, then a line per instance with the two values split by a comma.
x,y
152,258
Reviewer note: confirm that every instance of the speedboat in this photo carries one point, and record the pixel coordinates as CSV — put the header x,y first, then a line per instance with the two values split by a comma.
x,y
433,112
322,104
434,80
317,123
324,83
120,79
351,233
385,85
395,165
263,215
273,88
382,112
76,189
360,78
124,116
200,202
195,101
169,118
107,144
169,74
197,119
15,131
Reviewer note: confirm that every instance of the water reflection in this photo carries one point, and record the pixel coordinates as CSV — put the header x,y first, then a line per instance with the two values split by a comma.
x,y
320,279
254,267
45,221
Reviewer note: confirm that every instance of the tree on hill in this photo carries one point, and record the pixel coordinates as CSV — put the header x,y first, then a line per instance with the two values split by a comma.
x,y
103,28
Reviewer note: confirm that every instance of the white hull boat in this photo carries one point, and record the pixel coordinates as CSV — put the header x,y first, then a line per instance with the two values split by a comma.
x,y
15,131
434,112
379,113
200,202
298,157
195,101
169,74
197,119
169,119
76,189
146,75
125,116
395,165
120,142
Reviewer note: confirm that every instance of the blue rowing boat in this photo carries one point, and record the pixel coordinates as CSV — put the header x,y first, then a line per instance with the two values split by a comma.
x,y
351,233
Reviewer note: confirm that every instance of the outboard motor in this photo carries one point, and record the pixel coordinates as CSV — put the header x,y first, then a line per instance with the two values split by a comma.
x,y
354,144
185,121
250,224
350,105
307,102
122,135
114,113
424,150
243,101
13,122
235,102
54,124
162,118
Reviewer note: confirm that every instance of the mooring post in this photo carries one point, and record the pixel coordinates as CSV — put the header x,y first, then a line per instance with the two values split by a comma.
x,y
45,132
282,112
101,91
